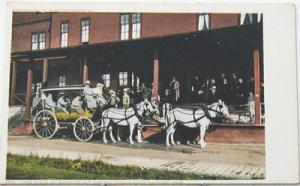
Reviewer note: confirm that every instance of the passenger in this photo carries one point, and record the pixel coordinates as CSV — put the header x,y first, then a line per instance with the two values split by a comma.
x,y
77,104
62,104
88,94
36,103
98,94
49,103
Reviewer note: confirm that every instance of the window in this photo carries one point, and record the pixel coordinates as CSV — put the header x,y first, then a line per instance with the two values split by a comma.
x,y
203,22
62,80
250,18
124,26
130,26
106,80
85,29
38,41
123,78
136,25
64,31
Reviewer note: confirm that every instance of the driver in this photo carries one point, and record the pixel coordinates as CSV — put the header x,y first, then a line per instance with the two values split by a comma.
x,y
62,104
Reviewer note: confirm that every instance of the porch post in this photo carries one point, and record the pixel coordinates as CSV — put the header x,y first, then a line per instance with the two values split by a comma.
x,y
257,86
45,71
85,69
13,83
155,74
28,92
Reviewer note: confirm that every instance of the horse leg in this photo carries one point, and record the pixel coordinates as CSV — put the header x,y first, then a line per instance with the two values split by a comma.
x,y
131,128
168,133
118,134
202,134
172,136
111,134
139,132
104,130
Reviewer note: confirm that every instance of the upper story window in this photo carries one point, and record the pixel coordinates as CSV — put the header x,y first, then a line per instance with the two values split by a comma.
x,y
124,26
85,30
250,18
203,21
136,25
64,31
123,78
38,41
130,26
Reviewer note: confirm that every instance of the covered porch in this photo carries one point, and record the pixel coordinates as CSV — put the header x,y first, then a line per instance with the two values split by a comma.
x,y
152,61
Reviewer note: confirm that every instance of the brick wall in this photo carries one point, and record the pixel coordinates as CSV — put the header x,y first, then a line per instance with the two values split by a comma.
x,y
105,27
223,20
165,24
21,35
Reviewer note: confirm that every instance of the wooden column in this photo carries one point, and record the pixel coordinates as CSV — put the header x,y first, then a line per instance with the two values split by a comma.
x,y
155,75
28,92
85,75
257,86
45,71
13,83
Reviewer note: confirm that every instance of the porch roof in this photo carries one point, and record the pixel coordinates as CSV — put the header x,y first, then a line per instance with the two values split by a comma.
x,y
231,38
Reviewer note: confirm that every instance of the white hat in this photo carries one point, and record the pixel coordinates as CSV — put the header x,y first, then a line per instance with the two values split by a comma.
x,y
111,92
87,82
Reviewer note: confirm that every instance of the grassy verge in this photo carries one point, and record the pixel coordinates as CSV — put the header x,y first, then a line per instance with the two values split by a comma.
x,y
32,167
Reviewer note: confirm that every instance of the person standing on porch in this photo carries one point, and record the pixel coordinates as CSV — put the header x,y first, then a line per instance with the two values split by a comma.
x,y
175,90
113,100
126,98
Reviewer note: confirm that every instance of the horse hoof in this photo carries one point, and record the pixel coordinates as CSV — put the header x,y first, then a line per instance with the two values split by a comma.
x,y
114,142
178,143
105,142
119,139
168,145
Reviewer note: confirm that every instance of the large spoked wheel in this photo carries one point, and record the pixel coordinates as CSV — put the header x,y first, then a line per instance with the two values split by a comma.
x,y
83,129
45,124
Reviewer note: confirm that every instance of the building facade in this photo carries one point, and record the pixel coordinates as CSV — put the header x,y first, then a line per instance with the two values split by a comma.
x,y
120,49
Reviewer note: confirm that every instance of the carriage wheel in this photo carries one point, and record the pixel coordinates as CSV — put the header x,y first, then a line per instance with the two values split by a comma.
x,y
45,124
83,129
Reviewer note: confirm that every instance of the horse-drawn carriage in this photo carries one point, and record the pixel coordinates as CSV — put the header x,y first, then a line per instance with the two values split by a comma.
x,y
50,117
86,121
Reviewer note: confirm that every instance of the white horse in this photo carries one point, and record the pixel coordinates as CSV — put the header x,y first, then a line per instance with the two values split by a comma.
x,y
193,118
126,117
155,111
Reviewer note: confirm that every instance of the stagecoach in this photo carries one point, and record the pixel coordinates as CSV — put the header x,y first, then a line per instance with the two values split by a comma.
x,y
47,121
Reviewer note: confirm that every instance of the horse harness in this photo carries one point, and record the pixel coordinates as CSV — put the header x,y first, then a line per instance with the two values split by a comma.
x,y
202,107
128,117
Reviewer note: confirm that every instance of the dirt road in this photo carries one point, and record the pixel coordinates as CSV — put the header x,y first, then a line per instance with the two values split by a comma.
x,y
242,157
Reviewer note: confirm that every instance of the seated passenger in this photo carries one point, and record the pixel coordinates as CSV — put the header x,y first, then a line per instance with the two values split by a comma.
x,y
98,94
49,103
88,94
62,104
77,104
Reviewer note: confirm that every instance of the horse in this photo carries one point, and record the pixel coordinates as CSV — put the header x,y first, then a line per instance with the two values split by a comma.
x,y
126,117
155,111
194,118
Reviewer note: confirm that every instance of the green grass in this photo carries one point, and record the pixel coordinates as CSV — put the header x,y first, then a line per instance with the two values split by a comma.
x,y
32,167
